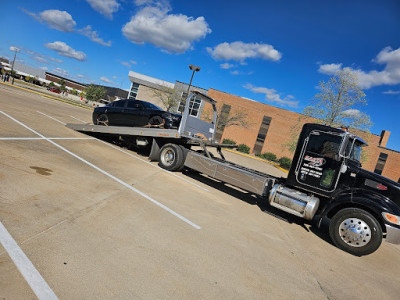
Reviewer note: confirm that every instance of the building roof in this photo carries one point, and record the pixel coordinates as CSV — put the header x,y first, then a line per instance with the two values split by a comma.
x,y
67,79
149,81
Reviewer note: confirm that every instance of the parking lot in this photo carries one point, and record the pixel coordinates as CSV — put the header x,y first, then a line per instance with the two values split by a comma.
x,y
92,220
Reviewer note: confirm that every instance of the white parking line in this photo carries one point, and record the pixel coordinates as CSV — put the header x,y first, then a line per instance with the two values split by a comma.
x,y
32,276
78,119
150,164
107,174
51,117
39,138
142,160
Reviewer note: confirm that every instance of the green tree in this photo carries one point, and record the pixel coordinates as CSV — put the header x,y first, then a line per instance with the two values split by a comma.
x,y
61,82
28,78
51,85
337,104
95,93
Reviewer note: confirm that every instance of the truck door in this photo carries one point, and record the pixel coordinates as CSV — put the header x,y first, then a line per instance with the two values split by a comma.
x,y
319,164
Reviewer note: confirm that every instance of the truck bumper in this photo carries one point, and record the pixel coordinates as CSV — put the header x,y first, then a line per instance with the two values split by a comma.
x,y
392,234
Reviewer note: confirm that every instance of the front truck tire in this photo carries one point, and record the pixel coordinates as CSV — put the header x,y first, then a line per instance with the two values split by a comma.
x,y
355,231
172,157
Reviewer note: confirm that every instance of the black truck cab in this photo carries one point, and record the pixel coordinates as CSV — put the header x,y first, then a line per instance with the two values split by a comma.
x,y
363,206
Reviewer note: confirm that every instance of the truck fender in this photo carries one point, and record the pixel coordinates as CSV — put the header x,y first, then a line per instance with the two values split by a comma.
x,y
372,202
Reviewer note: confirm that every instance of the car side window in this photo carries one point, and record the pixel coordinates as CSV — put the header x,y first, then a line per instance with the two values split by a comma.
x,y
134,104
119,103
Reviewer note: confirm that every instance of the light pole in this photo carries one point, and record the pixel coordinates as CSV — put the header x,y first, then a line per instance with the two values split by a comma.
x,y
194,69
12,67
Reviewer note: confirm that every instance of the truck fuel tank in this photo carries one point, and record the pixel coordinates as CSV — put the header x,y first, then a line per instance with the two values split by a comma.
x,y
293,201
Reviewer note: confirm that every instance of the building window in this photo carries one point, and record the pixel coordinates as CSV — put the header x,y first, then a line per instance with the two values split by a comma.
x,y
381,163
262,134
134,91
222,119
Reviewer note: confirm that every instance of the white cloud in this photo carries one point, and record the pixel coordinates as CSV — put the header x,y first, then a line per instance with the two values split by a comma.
x,y
390,75
390,92
105,79
125,63
80,76
236,72
44,68
226,66
143,2
173,33
330,68
240,51
56,19
271,95
355,113
133,62
61,72
93,35
105,7
41,59
114,77
64,50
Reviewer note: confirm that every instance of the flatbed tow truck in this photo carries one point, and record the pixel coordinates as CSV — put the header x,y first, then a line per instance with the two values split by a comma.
x,y
325,179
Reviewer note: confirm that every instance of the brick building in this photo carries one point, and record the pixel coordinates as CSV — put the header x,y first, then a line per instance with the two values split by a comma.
x,y
68,82
269,127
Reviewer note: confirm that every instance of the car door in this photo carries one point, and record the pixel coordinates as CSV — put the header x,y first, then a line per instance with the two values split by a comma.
x,y
134,114
115,112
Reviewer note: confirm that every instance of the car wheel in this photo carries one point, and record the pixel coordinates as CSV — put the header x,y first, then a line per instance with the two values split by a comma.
x,y
355,231
102,120
156,120
171,157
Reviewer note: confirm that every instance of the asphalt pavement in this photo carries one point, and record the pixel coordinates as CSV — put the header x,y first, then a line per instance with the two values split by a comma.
x,y
81,218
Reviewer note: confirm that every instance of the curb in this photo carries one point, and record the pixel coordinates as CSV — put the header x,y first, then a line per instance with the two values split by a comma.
x,y
257,158
47,96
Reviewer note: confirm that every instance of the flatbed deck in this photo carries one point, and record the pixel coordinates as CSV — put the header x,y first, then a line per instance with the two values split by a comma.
x,y
124,130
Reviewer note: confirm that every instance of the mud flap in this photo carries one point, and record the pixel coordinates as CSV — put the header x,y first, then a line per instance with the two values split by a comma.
x,y
155,150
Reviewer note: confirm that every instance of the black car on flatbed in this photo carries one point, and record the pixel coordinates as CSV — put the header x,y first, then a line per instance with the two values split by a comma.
x,y
135,113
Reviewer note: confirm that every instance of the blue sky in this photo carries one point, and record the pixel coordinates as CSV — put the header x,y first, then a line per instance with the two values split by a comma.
x,y
274,52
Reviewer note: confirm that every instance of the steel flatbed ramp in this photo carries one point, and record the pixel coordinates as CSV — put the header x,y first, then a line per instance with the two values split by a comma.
x,y
123,130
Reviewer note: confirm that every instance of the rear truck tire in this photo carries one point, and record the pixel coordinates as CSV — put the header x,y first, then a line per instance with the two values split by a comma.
x,y
184,152
156,120
171,157
102,119
355,231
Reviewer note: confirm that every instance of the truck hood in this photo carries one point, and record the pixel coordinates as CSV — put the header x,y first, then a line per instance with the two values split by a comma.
x,y
380,184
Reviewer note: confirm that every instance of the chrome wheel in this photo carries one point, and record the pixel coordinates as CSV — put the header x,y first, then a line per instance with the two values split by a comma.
x,y
355,232
168,157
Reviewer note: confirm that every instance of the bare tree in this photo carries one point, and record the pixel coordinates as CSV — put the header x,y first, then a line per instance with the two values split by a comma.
x,y
237,118
168,97
337,104
339,101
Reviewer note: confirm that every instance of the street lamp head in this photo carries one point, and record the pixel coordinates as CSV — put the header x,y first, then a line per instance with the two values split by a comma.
x,y
194,68
13,48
